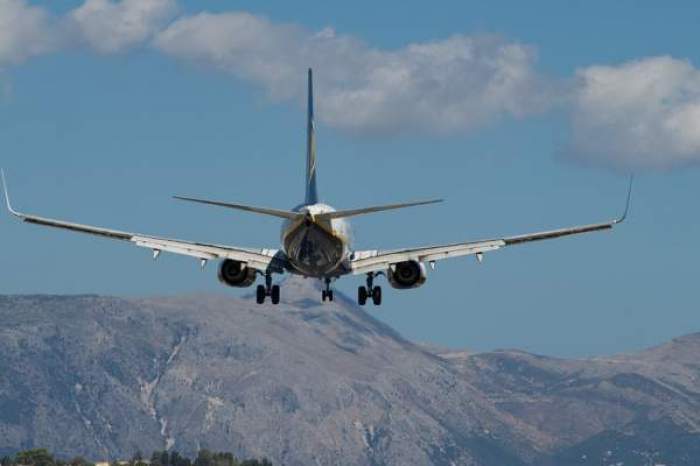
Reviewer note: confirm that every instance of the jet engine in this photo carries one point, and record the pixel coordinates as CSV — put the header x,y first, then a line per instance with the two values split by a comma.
x,y
235,273
405,275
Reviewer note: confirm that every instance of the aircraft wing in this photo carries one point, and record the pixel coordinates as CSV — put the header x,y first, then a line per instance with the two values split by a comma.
x,y
259,259
376,261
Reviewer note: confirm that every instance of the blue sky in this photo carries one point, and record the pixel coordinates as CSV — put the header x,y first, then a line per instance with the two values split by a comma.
x,y
102,124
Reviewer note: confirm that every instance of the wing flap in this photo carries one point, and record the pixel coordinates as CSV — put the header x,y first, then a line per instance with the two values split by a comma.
x,y
374,261
259,259
175,248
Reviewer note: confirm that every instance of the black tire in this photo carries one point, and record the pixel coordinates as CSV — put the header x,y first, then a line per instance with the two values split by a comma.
x,y
275,294
330,295
260,294
361,295
377,295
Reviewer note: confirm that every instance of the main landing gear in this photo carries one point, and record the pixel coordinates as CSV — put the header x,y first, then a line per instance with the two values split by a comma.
x,y
327,293
268,289
369,291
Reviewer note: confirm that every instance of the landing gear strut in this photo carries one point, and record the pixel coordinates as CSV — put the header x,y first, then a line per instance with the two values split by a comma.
x,y
273,291
327,293
369,291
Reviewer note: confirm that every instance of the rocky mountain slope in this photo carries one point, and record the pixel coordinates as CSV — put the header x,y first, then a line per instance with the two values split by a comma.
x,y
305,383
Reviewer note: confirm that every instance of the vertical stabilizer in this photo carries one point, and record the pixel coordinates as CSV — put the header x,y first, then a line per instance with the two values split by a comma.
x,y
311,193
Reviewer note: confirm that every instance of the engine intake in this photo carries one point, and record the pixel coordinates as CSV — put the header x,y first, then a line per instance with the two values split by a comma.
x,y
235,273
408,274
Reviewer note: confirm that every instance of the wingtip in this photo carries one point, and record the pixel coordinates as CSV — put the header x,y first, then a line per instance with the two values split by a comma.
x,y
7,194
623,217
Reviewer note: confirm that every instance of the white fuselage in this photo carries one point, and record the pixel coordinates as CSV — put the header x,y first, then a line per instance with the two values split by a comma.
x,y
315,246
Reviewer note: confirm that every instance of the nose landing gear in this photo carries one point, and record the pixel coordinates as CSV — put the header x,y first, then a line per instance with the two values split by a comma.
x,y
370,291
273,291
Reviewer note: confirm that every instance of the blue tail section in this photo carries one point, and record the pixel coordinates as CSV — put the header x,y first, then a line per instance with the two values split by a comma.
x,y
311,192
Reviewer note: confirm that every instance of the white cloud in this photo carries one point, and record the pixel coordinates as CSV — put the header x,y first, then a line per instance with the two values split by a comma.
x,y
641,114
105,25
25,31
110,26
459,83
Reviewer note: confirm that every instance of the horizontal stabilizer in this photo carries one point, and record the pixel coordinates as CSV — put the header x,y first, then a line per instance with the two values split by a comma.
x,y
258,210
379,208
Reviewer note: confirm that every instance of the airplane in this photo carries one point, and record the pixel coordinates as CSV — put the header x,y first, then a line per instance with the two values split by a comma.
x,y
315,241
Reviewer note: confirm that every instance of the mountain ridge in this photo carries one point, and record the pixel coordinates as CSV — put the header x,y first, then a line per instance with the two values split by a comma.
x,y
307,383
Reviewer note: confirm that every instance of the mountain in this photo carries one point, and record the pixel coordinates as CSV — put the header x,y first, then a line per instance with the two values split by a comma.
x,y
304,383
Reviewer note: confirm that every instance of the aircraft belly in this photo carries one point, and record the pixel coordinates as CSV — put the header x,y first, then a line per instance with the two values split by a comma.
x,y
313,250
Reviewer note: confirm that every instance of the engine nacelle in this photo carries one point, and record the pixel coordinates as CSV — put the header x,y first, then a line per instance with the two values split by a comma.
x,y
234,273
405,275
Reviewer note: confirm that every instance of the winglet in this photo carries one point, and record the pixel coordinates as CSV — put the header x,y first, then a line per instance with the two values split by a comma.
x,y
627,204
7,195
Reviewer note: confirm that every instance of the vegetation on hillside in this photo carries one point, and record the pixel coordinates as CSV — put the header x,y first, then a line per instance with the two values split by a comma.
x,y
42,457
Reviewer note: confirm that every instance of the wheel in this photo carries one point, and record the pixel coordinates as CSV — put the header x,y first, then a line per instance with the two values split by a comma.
x,y
361,295
330,295
260,294
377,295
275,294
